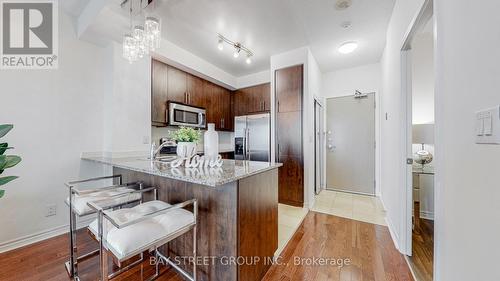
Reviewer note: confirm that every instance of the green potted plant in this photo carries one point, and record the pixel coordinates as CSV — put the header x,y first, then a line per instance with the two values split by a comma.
x,y
6,161
187,138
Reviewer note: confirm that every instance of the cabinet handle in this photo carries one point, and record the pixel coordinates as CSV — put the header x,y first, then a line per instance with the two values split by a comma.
x,y
222,123
189,98
278,106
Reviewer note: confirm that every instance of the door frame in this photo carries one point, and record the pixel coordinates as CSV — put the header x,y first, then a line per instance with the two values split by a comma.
x,y
425,14
319,186
376,189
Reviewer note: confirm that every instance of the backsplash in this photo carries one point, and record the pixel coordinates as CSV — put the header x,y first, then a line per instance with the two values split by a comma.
x,y
226,139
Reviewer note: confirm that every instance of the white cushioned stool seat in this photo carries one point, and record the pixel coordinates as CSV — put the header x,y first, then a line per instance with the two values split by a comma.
x,y
125,241
80,201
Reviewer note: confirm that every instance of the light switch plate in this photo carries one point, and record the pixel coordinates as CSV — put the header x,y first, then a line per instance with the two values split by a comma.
x,y
488,126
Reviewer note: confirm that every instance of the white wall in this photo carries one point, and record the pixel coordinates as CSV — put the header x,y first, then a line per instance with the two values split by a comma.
x,y
128,105
468,209
422,53
57,114
312,87
254,79
392,162
344,82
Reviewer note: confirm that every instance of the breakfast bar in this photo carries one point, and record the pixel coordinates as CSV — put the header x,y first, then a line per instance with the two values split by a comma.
x,y
237,232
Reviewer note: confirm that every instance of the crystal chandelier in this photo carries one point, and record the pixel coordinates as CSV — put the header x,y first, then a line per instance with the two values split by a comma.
x,y
142,39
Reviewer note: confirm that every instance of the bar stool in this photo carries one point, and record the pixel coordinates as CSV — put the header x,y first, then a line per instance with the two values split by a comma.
x,y
127,232
77,202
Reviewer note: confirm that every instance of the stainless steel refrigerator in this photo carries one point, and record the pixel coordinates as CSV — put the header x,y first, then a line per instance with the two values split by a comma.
x,y
252,137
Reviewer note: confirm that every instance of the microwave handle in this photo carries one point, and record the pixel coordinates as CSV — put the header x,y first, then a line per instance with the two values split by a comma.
x,y
201,118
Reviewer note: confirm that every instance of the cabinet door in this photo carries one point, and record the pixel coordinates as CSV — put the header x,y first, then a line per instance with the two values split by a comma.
x,y
195,95
289,133
240,103
289,88
159,94
211,93
177,85
226,110
265,95
291,181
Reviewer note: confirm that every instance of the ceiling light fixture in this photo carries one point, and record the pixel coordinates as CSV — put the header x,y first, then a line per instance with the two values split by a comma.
x,y
220,45
142,39
238,48
249,59
348,47
341,5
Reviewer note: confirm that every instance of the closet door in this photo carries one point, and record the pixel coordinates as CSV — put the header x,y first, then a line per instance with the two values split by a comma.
x,y
289,92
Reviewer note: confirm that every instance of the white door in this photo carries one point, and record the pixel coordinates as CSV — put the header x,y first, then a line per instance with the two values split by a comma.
x,y
350,161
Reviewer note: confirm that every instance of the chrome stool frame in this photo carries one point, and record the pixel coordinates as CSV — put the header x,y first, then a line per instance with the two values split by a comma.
x,y
72,265
105,215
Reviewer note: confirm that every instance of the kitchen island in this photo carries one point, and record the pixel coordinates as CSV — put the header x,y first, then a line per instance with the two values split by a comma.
x,y
237,212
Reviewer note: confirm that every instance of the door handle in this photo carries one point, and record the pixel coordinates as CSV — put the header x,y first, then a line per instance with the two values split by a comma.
x,y
409,161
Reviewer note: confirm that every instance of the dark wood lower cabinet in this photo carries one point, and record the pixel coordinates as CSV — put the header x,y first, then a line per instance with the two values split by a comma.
x,y
237,219
291,178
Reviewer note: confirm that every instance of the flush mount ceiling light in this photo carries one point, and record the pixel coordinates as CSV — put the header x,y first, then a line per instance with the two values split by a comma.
x,y
142,39
343,4
348,47
238,48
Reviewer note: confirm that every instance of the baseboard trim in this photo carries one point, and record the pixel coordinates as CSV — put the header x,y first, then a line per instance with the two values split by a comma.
x,y
40,236
390,226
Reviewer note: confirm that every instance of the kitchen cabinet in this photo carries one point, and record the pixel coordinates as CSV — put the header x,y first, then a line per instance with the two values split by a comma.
x,y
159,93
171,84
252,100
289,145
177,85
195,95
289,83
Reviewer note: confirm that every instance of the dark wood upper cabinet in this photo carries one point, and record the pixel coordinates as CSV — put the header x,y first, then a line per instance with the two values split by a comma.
x,y
195,91
159,93
171,84
177,85
289,82
251,100
289,151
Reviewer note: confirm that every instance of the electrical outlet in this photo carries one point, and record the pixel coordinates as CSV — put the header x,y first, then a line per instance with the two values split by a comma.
x,y
51,210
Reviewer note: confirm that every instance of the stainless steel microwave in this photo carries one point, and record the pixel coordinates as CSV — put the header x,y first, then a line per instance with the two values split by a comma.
x,y
185,115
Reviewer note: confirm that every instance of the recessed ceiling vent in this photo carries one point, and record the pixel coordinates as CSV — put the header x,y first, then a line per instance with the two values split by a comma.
x,y
343,4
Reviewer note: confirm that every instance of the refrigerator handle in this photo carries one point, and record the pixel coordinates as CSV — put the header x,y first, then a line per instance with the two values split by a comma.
x,y
247,150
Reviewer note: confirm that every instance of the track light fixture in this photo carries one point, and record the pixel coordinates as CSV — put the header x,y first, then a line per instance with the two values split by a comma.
x,y
238,48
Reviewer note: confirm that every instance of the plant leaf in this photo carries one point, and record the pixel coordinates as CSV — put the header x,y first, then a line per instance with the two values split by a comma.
x,y
4,129
1,171
12,160
2,192
3,147
3,161
5,180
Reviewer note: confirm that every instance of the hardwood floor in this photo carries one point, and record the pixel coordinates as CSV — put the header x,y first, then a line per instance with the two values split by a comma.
x,y
369,248
423,250
45,261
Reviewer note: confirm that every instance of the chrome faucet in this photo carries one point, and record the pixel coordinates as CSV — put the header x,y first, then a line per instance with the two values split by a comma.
x,y
155,151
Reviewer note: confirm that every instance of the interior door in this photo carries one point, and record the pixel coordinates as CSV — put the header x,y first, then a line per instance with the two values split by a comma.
x,y
351,144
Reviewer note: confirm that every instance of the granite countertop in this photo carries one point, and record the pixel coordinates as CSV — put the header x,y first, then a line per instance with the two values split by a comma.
x,y
231,170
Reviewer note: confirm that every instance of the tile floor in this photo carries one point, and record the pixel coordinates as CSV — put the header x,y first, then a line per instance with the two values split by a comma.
x,y
289,219
352,206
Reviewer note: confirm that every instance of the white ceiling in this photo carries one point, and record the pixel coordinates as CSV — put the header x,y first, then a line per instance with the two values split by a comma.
x,y
270,27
